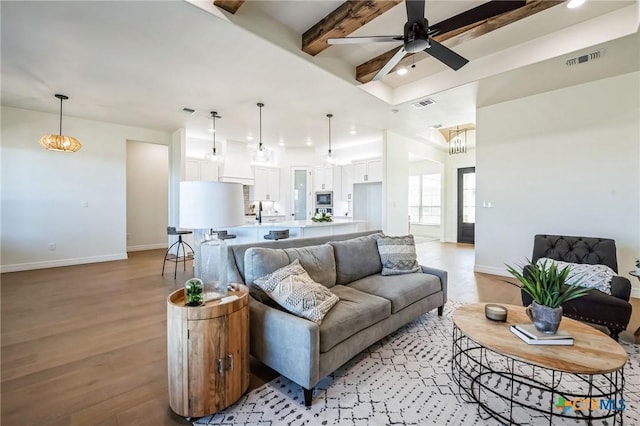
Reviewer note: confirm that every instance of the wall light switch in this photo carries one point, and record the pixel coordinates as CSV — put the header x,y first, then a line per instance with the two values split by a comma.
x,y
52,246
85,204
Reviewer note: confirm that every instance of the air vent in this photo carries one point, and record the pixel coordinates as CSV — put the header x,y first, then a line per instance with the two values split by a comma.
x,y
588,57
423,103
435,126
188,110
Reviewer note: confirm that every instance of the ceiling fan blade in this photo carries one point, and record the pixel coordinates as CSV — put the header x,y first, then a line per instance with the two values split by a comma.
x,y
477,14
445,55
415,11
358,40
389,65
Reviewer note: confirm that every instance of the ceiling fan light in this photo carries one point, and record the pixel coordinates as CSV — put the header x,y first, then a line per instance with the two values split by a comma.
x,y
402,71
572,4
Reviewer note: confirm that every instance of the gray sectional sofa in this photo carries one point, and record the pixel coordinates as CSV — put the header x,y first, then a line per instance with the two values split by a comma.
x,y
371,305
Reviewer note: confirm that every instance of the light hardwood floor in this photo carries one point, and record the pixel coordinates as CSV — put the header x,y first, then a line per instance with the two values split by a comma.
x,y
87,344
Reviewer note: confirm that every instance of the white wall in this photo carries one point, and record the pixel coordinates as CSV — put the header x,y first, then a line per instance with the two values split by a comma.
x,y
147,195
562,162
43,192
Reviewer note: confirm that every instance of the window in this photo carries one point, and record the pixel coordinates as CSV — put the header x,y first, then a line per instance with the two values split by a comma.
x,y
424,199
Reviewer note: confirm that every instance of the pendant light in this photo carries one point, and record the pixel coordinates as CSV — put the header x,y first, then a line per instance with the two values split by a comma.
x,y
213,155
59,142
458,141
329,158
261,155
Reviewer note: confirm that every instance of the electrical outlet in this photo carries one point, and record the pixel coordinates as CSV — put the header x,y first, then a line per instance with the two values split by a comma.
x,y
52,246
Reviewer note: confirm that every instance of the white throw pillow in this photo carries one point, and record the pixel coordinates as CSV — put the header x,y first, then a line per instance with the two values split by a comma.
x,y
293,289
584,275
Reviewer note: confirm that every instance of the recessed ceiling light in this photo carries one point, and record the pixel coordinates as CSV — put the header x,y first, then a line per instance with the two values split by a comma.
x,y
353,132
575,3
309,143
402,71
249,138
281,143
211,130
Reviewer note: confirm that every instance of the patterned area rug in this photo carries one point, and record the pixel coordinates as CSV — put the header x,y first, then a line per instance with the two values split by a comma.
x,y
403,379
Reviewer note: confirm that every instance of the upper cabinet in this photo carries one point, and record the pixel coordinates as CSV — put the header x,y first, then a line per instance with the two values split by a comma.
x,y
267,184
198,169
367,171
327,178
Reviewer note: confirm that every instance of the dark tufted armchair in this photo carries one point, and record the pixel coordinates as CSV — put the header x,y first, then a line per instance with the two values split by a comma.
x,y
612,311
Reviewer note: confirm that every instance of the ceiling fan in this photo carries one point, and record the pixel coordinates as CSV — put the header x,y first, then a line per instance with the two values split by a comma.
x,y
419,37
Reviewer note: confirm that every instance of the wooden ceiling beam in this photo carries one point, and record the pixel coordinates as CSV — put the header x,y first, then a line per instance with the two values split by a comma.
x,y
230,6
347,18
366,71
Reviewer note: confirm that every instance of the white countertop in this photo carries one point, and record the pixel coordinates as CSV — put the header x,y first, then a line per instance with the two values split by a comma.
x,y
300,224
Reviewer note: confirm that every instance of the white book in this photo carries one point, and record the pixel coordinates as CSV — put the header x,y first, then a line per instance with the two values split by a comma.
x,y
530,331
525,338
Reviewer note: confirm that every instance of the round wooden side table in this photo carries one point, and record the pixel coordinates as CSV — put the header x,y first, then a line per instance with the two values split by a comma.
x,y
207,352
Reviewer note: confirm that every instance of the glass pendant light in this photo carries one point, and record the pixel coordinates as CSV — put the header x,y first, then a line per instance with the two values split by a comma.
x,y
59,142
261,155
329,158
213,155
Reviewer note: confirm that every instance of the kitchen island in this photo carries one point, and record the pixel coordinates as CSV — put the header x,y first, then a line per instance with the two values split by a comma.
x,y
253,233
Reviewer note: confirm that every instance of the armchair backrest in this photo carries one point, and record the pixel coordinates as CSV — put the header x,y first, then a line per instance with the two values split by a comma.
x,y
589,250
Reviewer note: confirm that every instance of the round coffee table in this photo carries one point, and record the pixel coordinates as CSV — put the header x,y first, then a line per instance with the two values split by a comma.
x,y
505,375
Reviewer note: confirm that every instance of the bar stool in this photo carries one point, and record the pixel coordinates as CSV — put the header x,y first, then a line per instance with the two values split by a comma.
x,y
171,230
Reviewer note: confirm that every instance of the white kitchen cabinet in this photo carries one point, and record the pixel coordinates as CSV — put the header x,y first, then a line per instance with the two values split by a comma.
x,y
367,171
328,178
267,184
198,169
347,172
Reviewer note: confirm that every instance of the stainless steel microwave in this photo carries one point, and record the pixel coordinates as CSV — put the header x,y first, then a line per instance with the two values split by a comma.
x,y
324,199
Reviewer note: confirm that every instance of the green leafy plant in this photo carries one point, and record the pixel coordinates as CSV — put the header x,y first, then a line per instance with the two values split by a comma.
x,y
547,285
321,217
637,262
194,292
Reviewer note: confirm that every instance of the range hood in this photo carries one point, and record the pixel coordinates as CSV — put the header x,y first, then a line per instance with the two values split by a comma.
x,y
237,165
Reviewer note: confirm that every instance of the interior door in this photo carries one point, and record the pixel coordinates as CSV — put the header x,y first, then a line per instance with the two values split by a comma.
x,y
467,205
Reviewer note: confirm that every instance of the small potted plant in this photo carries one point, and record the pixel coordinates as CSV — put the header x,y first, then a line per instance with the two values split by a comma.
x,y
322,217
548,287
194,292
637,265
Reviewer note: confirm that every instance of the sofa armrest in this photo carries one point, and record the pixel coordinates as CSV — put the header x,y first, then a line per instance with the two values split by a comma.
x,y
287,343
621,288
440,274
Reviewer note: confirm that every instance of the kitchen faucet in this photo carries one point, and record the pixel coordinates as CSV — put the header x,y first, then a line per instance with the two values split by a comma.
x,y
259,217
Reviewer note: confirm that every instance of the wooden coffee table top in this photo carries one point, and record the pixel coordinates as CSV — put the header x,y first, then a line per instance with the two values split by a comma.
x,y
593,352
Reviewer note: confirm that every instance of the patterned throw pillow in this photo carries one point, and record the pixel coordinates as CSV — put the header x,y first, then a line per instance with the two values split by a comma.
x,y
293,289
398,254
584,275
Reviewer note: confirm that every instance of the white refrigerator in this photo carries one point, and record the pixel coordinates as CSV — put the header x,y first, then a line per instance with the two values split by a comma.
x,y
367,204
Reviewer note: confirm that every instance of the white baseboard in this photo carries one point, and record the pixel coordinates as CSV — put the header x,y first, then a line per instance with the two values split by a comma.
x,y
635,292
492,270
147,247
62,262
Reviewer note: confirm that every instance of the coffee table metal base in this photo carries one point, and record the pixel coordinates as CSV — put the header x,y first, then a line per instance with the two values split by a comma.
x,y
514,392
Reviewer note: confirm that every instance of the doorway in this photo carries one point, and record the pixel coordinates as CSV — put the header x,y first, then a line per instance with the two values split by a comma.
x,y
467,205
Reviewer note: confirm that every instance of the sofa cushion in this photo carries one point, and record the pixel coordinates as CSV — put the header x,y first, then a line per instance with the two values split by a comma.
x,y
294,290
355,311
397,254
400,290
356,258
318,261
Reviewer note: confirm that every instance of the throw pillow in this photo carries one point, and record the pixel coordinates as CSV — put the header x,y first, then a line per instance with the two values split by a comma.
x,y
293,289
584,275
398,254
